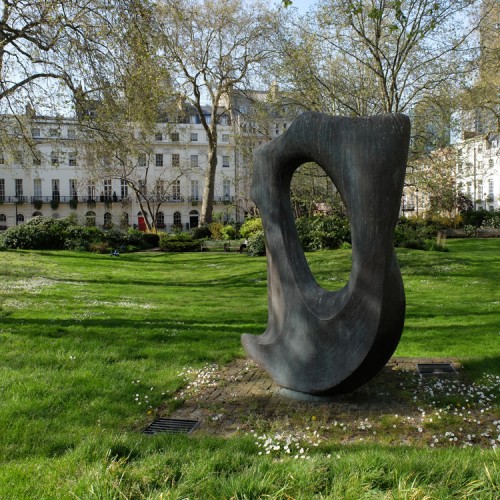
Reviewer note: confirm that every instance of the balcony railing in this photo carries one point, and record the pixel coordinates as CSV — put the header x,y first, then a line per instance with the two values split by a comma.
x,y
108,199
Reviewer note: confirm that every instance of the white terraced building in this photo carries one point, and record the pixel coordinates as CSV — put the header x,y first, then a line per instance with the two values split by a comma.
x,y
478,170
50,175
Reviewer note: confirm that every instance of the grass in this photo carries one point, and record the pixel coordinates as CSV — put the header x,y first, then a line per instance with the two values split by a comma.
x,y
90,345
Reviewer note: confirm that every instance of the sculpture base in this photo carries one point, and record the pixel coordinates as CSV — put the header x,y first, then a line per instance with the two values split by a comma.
x,y
304,396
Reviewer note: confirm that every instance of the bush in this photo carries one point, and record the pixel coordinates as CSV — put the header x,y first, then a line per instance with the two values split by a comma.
x,y
38,234
419,234
201,232
256,244
323,232
475,217
181,242
151,239
216,230
491,221
229,232
250,227
135,238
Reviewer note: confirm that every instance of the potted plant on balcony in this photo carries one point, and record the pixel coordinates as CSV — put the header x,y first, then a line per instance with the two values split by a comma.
x,y
37,204
54,204
73,203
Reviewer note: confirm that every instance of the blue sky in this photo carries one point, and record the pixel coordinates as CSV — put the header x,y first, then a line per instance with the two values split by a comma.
x,y
301,5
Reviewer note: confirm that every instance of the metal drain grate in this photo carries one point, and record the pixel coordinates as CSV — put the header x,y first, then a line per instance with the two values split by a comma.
x,y
172,426
436,369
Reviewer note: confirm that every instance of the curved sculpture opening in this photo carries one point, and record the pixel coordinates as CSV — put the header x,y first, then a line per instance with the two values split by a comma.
x,y
321,222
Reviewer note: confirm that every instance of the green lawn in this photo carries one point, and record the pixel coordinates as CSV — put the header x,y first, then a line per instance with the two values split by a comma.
x,y
91,344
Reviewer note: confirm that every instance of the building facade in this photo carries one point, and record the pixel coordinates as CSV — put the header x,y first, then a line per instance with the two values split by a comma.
x,y
478,170
52,174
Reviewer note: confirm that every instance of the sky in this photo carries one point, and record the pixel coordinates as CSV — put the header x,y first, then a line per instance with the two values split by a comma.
x,y
301,5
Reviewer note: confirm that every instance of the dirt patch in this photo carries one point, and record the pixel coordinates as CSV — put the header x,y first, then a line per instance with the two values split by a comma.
x,y
398,406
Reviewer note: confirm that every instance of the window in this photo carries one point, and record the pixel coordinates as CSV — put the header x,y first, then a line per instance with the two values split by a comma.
x,y
143,188
3,218
71,133
225,161
54,159
37,189
72,159
107,220
160,220
160,189
90,218
158,137
2,158
19,218
176,190
225,137
2,189
124,220
226,189
174,136
194,161
490,188
107,189
19,187
56,194
54,132
177,219
224,120
159,160
469,187
91,190
175,160
195,190
35,132
73,192
37,160
142,160
124,188
193,137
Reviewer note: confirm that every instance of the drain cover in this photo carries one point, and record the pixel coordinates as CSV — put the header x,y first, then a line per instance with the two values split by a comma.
x,y
436,369
171,426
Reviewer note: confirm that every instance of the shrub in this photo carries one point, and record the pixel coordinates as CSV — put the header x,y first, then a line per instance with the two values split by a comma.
x,y
475,217
38,234
256,244
182,242
250,227
135,238
216,230
470,231
229,232
323,232
101,247
201,232
151,239
491,221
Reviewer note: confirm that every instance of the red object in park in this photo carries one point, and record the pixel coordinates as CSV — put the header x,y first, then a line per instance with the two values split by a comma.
x,y
141,223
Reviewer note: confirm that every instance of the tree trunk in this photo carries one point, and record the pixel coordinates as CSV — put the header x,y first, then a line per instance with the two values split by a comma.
x,y
207,205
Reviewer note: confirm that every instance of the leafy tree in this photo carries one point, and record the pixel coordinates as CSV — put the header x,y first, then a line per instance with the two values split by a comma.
x,y
211,47
376,56
120,117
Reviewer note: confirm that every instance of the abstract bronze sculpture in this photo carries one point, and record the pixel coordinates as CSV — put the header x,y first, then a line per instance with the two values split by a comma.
x,y
321,342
